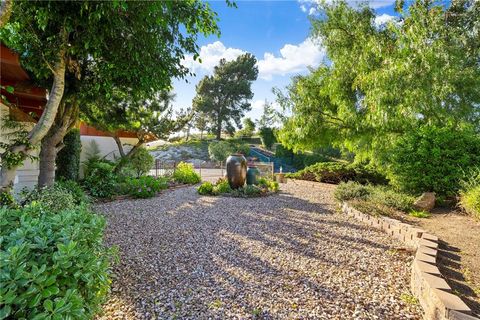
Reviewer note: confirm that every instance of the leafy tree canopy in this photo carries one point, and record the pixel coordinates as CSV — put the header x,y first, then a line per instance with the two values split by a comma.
x,y
132,45
383,81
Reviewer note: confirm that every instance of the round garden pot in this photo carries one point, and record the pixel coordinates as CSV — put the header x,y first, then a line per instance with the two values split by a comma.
x,y
236,170
252,175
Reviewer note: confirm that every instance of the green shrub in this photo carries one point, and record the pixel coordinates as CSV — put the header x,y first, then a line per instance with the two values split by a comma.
x,y
205,188
336,172
375,195
79,195
247,191
433,159
52,266
185,173
7,200
221,187
219,150
267,135
299,160
146,186
268,184
141,162
51,199
241,148
68,158
391,198
101,182
351,190
470,193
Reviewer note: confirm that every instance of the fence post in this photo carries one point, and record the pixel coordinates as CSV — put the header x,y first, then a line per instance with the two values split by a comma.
x,y
156,168
273,170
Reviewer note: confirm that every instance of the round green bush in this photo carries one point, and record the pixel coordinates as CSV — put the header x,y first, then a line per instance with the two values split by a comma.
x,y
51,199
433,159
101,182
185,173
206,188
145,187
222,186
52,266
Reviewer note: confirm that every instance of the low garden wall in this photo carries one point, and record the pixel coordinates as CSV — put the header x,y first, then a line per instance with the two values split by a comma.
x,y
427,284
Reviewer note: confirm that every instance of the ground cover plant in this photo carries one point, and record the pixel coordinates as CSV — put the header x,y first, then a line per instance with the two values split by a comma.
x,y
221,187
381,200
144,187
336,172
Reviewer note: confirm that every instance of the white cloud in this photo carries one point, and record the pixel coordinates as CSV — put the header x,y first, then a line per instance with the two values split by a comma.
x,y
293,58
383,19
258,104
210,55
375,4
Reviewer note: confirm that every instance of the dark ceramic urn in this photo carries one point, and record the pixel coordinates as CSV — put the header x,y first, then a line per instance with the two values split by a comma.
x,y
236,170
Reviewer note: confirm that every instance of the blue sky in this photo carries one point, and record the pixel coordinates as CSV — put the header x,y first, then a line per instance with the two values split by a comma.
x,y
276,32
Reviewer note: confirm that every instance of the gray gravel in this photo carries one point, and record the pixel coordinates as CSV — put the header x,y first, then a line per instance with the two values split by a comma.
x,y
286,256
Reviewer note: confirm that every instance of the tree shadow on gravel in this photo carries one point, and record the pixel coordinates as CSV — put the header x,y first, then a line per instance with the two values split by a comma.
x,y
203,259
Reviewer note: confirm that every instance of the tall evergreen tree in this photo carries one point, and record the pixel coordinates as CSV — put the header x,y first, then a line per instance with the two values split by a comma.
x,y
224,97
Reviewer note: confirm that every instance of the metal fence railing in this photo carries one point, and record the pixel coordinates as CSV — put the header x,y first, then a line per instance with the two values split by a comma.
x,y
208,171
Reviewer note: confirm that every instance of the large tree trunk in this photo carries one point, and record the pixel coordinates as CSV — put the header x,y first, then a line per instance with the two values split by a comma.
x,y
52,143
48,154
219,129
126,156
39,131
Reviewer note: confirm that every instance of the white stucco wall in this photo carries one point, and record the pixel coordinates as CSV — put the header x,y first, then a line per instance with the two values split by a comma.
x,y
27,174
107,146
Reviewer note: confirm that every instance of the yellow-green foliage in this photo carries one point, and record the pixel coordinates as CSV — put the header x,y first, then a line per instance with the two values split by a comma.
x,y
470,201
185,173
470,194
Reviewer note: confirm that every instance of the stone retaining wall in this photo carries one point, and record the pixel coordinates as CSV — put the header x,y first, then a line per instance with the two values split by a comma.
x,y
427,284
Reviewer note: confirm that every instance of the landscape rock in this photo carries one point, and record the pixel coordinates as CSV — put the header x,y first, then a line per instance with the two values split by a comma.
x,y
425,202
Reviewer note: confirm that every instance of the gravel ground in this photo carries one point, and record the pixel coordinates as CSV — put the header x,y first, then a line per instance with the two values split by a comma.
x,y
286,256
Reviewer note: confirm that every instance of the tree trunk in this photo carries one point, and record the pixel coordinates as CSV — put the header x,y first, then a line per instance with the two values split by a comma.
x,y
52,143
41,128
6,7
121,151
124,160
219,129
48,154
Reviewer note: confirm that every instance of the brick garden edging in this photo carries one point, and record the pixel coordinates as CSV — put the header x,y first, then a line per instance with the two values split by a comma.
x,y
427,284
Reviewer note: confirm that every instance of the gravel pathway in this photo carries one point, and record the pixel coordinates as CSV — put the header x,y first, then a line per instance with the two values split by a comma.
x,y
286,256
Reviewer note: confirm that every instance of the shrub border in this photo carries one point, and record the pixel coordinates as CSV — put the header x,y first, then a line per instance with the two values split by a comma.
x,y
427,284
